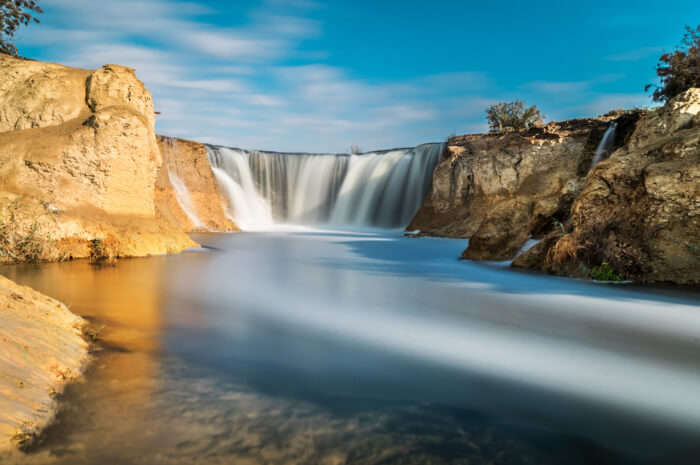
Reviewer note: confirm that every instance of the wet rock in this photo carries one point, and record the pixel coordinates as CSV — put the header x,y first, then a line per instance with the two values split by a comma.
x,y
203,207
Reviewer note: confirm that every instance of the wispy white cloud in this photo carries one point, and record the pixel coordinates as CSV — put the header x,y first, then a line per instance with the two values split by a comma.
x,y
604,103
259,84
223,44
550,87
635,55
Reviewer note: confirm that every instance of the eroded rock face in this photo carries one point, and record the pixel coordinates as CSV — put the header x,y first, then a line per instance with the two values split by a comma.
x,y
42,349
114,85
186,189
639,211
501,189
33,94
79,159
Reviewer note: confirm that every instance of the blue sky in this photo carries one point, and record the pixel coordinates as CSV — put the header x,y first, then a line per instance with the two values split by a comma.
x,y
306,75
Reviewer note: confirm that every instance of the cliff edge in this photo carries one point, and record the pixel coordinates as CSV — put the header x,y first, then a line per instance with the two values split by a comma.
x,y
639,210
187,191
78,162
635,214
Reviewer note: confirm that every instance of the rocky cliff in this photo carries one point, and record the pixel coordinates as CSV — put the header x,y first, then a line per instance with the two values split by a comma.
x,y
41,349
187,191
639,210
78,161
499,189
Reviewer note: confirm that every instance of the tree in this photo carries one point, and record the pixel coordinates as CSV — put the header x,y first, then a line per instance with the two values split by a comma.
x,y
13,14
355,149
513,116
680,70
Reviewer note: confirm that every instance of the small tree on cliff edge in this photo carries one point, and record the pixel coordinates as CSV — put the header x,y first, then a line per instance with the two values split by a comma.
x,y
680,70
512,116
13,14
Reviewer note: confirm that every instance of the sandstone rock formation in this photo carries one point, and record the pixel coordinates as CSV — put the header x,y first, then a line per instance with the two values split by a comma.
x,y
78,161
187,191
639,211
41,349
500,189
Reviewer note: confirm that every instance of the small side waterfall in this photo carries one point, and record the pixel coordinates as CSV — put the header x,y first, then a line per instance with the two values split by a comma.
x,y
182,195
603,150
371,190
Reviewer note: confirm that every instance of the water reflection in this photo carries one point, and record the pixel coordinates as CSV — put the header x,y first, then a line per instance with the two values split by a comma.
x,y
337,348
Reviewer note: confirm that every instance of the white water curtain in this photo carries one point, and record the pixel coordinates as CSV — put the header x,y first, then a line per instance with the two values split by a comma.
x,y
372,190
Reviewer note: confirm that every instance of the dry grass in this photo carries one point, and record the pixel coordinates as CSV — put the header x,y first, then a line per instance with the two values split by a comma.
x,y
21,239
564,250
104,251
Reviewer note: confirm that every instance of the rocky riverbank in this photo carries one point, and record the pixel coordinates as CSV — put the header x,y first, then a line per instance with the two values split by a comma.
x,y
636,212
639,210
41,349
82,174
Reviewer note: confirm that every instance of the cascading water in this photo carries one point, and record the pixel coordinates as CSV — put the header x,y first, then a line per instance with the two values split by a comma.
x,y
603,150
182,195
372,190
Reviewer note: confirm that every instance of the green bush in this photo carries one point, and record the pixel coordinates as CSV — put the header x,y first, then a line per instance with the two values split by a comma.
x,y
680,70
13,14
512,116
604,272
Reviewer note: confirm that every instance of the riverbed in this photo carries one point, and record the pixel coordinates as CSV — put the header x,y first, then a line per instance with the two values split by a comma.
x,y
329,347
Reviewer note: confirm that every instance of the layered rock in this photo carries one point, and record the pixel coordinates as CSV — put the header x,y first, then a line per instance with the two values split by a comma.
x,y
639,210
186,189
499,189
41,349
78,161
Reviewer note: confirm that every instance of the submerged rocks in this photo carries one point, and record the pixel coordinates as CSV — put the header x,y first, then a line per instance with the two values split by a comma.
x,y
41,349
78,161
639,211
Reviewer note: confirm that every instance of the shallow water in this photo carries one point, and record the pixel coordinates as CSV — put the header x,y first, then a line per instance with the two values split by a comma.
x,y
331,348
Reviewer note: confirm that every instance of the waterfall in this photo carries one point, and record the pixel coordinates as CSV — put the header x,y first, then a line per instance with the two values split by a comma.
x,y
370,190
603,150
182,195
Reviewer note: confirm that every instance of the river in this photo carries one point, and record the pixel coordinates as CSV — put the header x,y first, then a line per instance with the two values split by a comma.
x,y
322,347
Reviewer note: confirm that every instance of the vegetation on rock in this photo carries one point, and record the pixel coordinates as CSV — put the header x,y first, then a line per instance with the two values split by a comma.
x,y
20,242
512,116
680,70
604,272
13,14
103,251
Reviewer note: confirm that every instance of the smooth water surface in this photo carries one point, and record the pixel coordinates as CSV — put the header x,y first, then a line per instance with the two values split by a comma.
x,y
342,348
